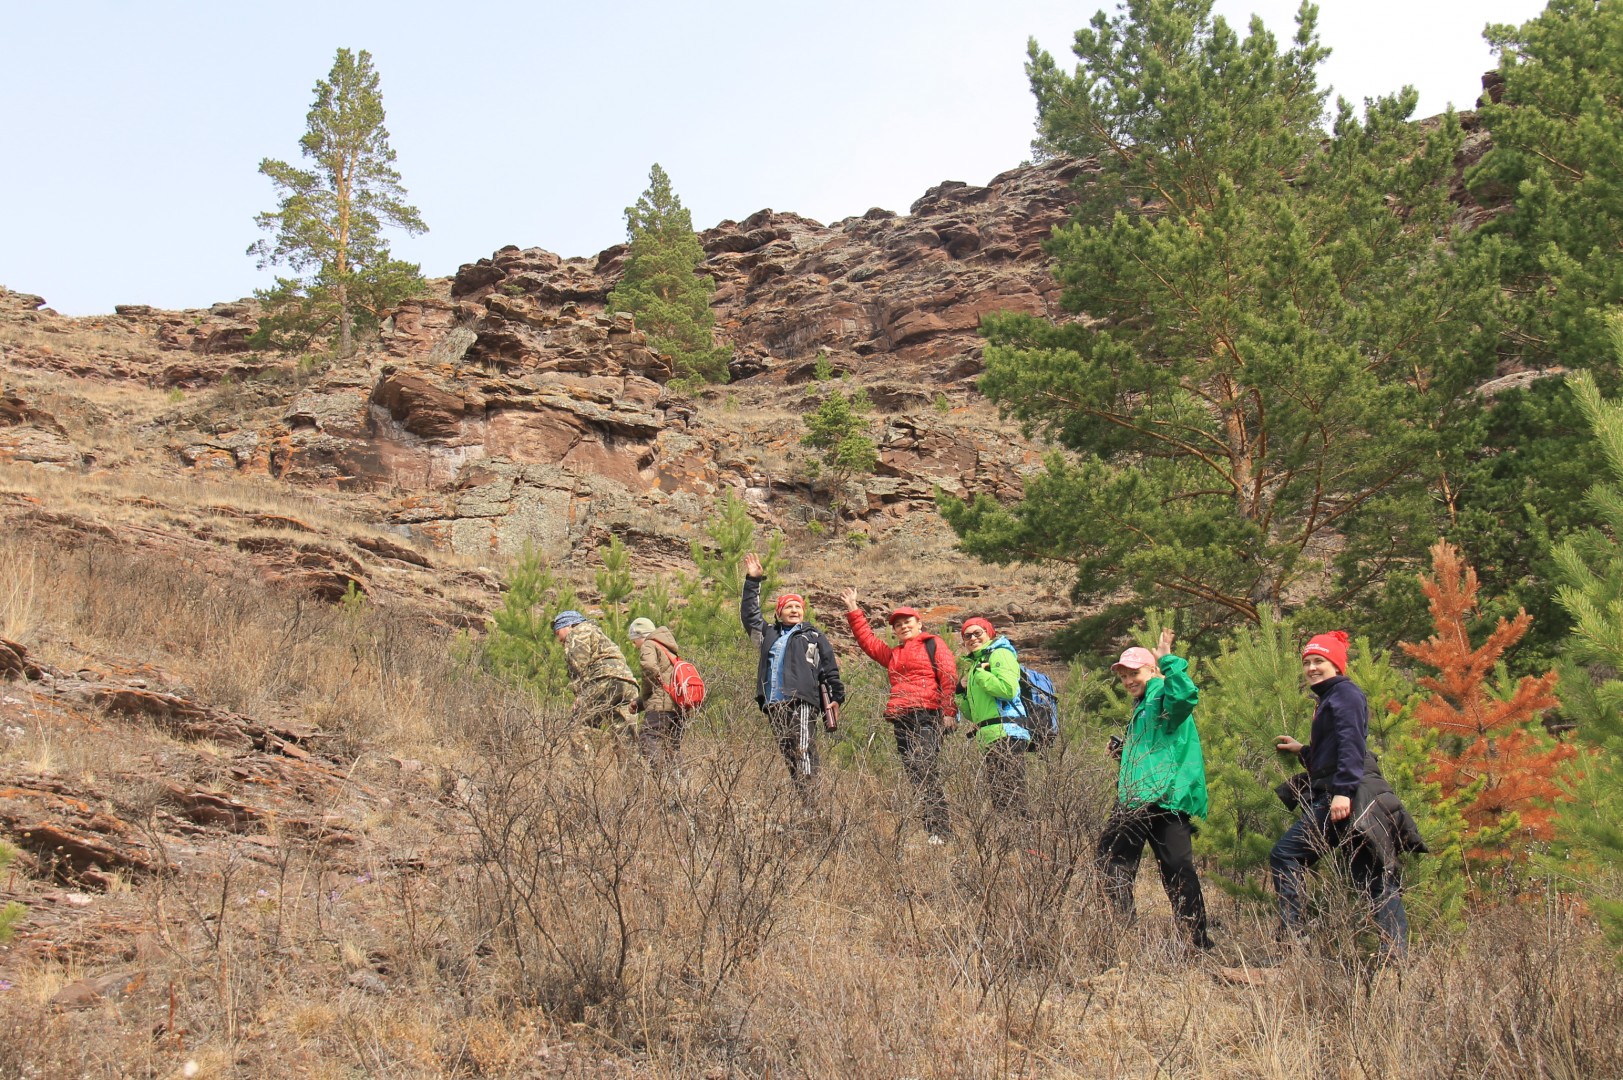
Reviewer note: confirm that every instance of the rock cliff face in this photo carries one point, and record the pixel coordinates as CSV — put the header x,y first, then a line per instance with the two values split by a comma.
x,y
508,407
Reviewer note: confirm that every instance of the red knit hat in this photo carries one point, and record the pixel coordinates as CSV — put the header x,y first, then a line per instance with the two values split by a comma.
x,y
980,622
1331,646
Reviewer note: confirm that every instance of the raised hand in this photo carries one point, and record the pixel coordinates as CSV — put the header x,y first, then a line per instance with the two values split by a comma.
x,y
753,567
1164,646
849,596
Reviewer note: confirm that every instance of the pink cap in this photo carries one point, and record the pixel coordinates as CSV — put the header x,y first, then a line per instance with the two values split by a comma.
x,y
1134,658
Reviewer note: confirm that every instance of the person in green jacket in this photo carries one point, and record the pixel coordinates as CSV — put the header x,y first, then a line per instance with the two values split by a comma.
x,y
989,698
1161,786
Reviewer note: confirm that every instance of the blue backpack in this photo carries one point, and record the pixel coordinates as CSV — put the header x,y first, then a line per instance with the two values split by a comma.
x,y
1042,707
1037,704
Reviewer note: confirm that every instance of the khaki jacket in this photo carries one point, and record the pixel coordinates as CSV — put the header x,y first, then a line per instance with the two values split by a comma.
x,y
657,670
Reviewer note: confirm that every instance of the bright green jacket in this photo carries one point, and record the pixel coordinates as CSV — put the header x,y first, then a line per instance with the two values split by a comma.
x,y
1161,762
991,692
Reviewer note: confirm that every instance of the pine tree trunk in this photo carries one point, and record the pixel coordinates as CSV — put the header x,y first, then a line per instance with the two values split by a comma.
x,y
346,323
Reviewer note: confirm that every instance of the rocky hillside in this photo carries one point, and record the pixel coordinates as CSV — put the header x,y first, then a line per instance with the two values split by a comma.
x,y
509,408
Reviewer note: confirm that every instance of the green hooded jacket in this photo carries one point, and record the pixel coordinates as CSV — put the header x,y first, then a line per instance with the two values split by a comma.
x,y
989,692
1161,762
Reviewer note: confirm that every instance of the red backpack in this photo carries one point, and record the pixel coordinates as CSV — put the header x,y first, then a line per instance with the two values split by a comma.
x,y
686,687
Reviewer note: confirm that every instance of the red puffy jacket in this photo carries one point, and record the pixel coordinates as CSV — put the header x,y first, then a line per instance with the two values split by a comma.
x,y
913,683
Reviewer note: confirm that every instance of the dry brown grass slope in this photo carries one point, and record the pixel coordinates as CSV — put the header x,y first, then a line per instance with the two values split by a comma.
x,y
376,862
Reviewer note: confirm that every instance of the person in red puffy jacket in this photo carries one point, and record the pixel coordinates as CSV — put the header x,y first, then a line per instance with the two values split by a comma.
x,y
923,677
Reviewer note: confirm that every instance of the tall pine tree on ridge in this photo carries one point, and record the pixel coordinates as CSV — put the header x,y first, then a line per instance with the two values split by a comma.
x,y
329,219
661,288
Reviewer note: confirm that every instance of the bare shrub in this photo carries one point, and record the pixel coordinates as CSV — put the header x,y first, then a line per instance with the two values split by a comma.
x,y
627,897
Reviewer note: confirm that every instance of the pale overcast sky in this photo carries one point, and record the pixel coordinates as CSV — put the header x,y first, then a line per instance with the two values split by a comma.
x,y
134,131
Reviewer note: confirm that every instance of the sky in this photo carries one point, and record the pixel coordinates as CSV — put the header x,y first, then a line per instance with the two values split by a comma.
x,y
134,132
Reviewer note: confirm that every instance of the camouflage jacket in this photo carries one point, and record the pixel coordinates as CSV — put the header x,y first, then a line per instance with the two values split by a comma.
x,y
592,656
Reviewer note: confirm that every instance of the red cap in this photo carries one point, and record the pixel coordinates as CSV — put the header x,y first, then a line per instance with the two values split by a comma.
x,y
1134,658
785,598
902,613
1331,646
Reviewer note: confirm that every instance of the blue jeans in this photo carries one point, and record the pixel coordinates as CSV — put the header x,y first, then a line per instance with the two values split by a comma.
x,y
1313,836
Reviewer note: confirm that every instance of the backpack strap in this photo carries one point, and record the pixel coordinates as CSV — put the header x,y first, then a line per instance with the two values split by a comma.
x,y
935,674
671,656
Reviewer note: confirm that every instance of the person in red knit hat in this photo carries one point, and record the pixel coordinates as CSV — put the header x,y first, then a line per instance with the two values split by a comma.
x,y
923,678
1342,776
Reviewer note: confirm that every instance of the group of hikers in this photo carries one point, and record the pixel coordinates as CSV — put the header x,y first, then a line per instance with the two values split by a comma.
x,y
1341,797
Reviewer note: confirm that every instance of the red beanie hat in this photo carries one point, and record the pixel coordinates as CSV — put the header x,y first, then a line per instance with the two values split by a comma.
x,y
1331,646
785,598
980,622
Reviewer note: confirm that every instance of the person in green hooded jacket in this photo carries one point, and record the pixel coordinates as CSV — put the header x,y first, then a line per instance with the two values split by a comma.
x,y
989,698
1161,786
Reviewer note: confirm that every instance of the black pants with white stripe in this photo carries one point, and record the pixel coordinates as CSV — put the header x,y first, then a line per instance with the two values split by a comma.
x,y
795,725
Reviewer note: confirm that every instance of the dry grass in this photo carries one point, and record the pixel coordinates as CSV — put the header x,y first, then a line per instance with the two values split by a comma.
x,y
140,497
78,340
564,913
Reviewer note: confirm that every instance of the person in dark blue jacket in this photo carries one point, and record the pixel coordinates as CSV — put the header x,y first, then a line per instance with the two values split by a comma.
x,y
797,680
1335,758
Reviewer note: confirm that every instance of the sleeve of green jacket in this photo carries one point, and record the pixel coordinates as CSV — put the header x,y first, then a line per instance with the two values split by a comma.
x,y
1179,695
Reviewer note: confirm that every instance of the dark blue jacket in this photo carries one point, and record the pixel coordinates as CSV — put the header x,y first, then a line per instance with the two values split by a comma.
x,y
808,665
1334,755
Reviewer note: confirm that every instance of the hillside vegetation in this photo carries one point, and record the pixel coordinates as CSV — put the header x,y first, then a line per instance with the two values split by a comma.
x,y
289,783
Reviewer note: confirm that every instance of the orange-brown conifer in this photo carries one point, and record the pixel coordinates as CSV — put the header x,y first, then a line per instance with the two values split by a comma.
x,y
1486,735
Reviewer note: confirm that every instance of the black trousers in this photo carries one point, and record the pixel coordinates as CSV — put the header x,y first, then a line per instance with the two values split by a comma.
x,y
1121,847
794,723
1003,773
918,740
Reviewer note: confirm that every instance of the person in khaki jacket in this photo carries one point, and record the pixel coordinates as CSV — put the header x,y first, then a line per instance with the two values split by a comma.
x,y
605,690
660,735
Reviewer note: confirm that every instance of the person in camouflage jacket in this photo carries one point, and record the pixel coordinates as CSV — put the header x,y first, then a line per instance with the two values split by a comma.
x,y
605,689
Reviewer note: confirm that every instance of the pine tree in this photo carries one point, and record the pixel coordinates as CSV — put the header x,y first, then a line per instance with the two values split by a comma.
x,y
329,219
12,912
1488,750
1591,568
1269,331
1557,138
521,646
1252,694
709,613
661,288
839,429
